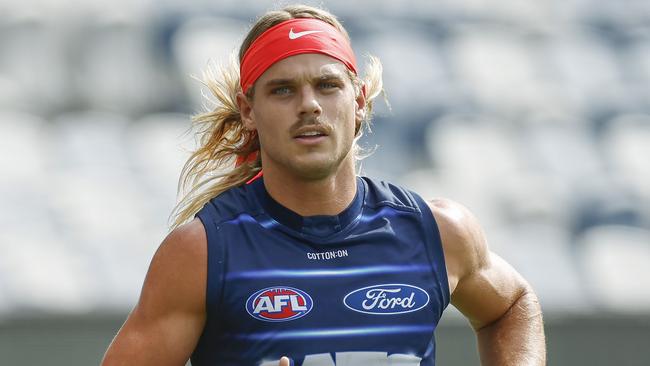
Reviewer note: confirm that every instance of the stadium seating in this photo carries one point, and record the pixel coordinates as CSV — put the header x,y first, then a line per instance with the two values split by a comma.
x,y
535,115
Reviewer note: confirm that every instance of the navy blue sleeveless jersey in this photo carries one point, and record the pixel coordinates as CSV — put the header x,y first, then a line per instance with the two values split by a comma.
x,y
365,287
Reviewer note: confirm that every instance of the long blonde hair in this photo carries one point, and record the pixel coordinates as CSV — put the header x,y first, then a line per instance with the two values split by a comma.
x,y
221,136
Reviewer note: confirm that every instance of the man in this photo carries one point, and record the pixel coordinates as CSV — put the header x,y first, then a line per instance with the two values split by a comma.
x,y
308,260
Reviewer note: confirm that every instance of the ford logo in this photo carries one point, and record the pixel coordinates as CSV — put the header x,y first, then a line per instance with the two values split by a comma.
x,y
387,299
279,304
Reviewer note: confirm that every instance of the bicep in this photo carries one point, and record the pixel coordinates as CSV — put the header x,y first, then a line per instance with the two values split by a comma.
x,y
483,286
487,292
165,325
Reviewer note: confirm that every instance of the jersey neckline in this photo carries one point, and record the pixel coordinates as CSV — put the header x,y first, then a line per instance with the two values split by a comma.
x,y
317,225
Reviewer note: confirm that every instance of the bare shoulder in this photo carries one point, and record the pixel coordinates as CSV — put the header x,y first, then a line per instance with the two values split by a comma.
x,y
177,276
463,240
186,242
179,267
168,319
483,286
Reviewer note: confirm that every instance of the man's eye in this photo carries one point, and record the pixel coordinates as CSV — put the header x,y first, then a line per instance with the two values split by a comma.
x,y
281,90
328,85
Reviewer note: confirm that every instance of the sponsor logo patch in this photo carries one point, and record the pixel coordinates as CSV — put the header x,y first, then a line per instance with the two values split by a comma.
x,y
279,304
387,299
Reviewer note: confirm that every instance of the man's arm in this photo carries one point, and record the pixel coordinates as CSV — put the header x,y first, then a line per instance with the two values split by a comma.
x,y
499,304
165,325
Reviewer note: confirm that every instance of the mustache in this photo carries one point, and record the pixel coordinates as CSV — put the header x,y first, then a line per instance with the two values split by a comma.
x,y
311,121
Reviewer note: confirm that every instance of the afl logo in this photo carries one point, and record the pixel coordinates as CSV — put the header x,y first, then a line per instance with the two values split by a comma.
x,y
279,304
387,299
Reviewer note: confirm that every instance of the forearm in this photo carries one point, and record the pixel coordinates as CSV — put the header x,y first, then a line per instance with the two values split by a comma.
x,y
517,338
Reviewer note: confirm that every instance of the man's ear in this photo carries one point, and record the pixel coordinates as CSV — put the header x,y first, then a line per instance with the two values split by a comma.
x,y
359,109
246,111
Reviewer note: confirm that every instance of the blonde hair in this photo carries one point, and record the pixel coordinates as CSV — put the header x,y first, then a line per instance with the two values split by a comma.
x,y
221,136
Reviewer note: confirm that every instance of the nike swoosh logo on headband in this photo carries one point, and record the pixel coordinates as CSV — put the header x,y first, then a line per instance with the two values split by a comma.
x,y
300,34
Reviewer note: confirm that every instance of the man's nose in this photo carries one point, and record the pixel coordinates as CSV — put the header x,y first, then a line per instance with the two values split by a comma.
x,y
309,103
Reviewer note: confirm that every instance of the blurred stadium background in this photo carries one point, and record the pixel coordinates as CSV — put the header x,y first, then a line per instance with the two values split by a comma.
x,y
534,114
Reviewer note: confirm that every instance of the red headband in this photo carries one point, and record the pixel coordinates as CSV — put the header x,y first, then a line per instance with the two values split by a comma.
x,y
294,37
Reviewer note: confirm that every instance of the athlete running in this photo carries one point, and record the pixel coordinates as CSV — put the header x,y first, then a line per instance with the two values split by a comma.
x,y
281,251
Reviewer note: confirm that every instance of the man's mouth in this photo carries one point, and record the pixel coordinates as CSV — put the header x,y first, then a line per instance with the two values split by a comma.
x,y
311,134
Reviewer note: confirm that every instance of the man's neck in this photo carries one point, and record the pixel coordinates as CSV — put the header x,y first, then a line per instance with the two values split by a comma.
x,y
329,196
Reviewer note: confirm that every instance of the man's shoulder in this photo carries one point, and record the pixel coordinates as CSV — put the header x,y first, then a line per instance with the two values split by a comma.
x,y
462,236
189,232
454,218
189,238
176,279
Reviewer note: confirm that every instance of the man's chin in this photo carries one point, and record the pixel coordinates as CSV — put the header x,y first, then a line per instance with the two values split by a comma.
x,y
315,169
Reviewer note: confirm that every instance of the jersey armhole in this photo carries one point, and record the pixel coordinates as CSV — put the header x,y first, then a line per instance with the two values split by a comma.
x,y
434,248
215,270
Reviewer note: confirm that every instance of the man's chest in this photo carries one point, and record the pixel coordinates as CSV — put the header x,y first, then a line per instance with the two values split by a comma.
x,y
359,297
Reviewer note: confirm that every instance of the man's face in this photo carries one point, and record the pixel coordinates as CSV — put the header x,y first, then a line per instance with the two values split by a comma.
x,y
305,112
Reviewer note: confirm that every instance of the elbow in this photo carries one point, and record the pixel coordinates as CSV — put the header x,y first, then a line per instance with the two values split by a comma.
x,y
525,307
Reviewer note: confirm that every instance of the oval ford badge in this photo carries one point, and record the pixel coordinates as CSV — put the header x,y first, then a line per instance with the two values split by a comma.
x,y
387,299
279,304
